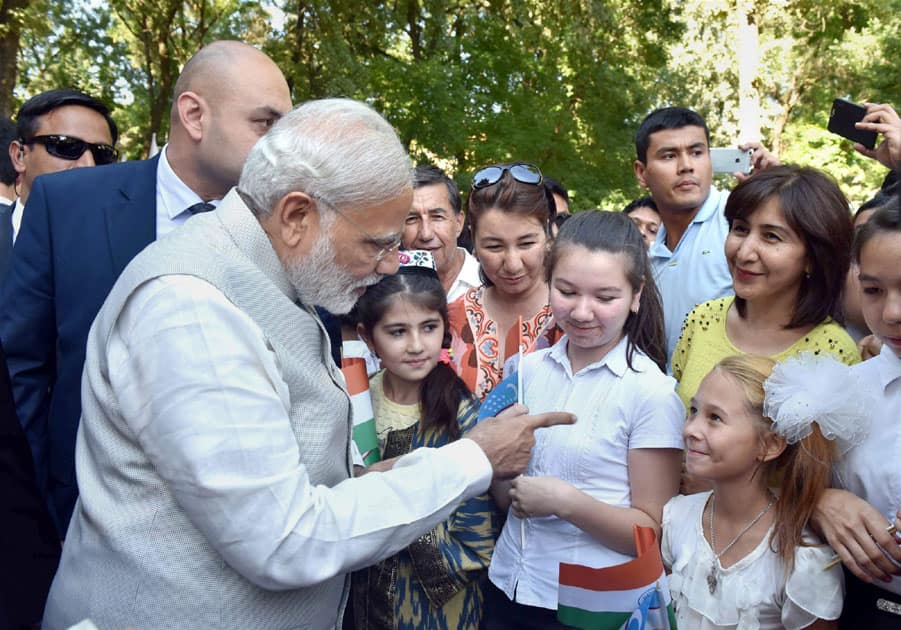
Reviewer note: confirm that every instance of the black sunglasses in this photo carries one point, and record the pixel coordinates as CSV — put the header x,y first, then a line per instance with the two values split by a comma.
x,y
523,172
72,148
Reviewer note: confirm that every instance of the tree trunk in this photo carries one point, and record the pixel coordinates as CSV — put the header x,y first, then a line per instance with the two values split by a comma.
x,y
748,54
10,31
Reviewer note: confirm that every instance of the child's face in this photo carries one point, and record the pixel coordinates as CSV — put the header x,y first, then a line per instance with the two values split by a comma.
x,y
591,298
722,434
408,339
880,280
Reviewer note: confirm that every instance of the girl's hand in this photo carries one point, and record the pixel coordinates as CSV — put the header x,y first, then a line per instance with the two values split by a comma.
x,y
857,532
537,496
869,347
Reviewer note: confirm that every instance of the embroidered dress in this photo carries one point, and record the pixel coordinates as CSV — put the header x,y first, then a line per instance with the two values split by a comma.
x,y
704,343
435,583
475,340
754,593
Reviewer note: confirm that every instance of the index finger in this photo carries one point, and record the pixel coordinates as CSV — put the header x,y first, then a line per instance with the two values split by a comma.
x,y
516,409
551,418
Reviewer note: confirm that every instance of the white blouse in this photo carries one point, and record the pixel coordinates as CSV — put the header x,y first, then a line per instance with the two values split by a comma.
x,y
872,469
755,592
617,409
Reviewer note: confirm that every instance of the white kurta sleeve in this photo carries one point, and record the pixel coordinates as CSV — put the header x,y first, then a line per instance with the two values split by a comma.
x,y
201,391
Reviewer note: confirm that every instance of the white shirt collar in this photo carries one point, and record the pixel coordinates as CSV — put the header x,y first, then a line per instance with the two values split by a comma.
x,y
172,192
615,359
18,209
892,362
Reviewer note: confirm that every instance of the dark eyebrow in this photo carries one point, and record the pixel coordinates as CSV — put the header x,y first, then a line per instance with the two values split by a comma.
x,y
567,283
696,145
267,111
865,277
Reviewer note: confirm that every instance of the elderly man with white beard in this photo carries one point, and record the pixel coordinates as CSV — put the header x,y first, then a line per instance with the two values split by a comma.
x,y
213,454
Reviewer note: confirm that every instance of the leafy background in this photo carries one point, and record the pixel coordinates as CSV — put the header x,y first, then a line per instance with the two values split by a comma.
x,y
465,82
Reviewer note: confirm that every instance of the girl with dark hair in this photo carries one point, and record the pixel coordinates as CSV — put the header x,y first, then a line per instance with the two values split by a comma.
x,y
510,212
419,401
742,556
862,520
788,250
589,483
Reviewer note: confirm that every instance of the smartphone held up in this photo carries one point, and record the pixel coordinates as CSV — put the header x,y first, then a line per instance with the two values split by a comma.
x,y
842,119
726,160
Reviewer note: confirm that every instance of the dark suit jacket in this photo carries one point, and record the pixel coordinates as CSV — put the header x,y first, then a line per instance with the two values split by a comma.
x,y
80,229
6,237
29,545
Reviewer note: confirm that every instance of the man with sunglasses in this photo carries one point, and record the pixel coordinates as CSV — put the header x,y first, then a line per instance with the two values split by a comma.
x,y
55,131
82,227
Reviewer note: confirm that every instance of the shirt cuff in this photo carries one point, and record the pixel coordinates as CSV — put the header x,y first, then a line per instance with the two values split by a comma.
x,y
464,457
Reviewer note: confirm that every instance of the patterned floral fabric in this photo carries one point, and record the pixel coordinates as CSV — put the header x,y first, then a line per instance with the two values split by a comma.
x,y
437,582
474,340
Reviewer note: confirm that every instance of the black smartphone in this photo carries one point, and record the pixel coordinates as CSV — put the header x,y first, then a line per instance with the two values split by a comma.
x,y
842,118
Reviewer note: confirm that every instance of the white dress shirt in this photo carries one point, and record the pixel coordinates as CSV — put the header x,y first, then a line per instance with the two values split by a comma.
x,y
467,279
17,217
872,469
617,409
198,385
173,198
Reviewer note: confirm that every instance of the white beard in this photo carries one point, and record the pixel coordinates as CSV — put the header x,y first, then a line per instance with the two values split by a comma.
x,y
320,281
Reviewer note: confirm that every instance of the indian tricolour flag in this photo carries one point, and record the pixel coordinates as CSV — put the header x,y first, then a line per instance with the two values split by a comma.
x,y
633,595
364,436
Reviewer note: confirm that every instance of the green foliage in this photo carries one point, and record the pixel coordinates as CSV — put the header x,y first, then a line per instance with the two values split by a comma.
x,y
467,82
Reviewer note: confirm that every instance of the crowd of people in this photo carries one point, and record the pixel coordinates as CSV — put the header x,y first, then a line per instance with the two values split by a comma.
x,y
719,367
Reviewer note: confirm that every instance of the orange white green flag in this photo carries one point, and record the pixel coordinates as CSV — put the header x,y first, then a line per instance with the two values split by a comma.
x,y
364,435
633,595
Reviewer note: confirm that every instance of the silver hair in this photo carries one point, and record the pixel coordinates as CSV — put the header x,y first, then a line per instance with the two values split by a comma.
x,y
338,150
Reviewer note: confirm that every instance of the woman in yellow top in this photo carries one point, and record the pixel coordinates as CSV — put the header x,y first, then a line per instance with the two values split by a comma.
x,y
788,249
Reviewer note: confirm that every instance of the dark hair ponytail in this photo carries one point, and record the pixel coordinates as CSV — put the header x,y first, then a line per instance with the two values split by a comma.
x,y
441,391
614,232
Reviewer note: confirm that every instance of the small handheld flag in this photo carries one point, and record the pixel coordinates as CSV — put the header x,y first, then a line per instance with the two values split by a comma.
x,y
631,596
364,435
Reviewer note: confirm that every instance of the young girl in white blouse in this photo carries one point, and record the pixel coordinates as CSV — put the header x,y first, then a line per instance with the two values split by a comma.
x,y
861,519
741,556
587,484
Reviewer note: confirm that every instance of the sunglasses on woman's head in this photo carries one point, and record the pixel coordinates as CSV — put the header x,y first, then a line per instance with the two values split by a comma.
x,y
523,172
72,148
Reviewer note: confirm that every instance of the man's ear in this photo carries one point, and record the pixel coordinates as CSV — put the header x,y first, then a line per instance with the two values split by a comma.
x,y
17,156
295,221
461,222
192,110
640,167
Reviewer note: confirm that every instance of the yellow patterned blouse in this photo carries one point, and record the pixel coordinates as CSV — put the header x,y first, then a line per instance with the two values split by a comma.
x,y
703,343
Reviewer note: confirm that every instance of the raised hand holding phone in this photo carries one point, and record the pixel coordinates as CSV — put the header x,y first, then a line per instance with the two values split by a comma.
x,y
881,118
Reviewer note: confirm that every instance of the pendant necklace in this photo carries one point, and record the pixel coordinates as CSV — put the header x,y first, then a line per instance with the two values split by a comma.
x,y
714,568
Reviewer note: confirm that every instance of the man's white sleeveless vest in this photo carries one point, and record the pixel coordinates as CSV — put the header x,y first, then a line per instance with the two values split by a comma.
x,y
162,572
